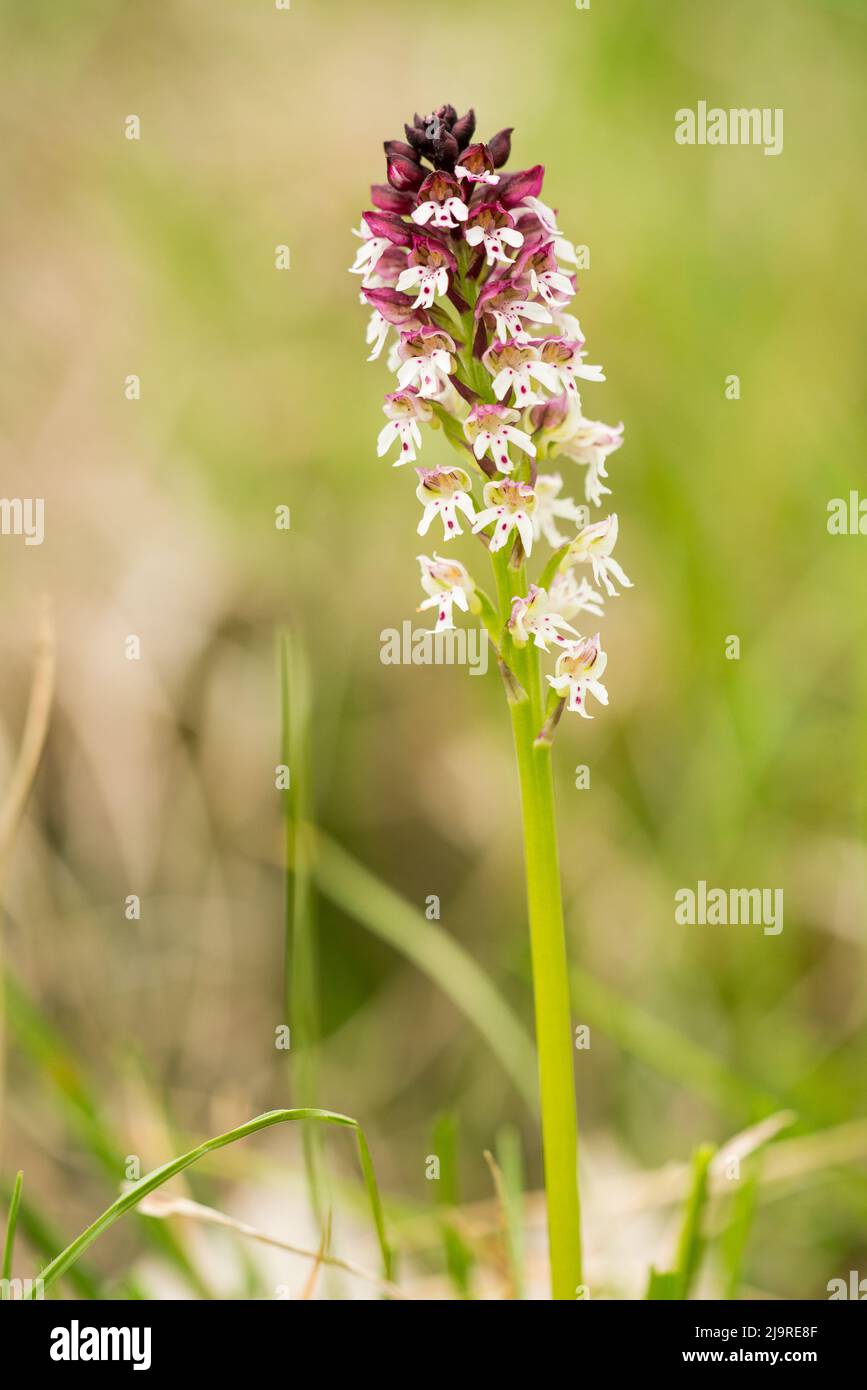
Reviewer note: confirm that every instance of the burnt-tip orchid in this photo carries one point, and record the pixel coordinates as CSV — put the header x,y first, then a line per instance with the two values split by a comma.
x,y
446,583
515,367
429,266
425,360
578,670
509,505
593,546
494,229
404,410
490,429
470,285
442,492
535,616
440,202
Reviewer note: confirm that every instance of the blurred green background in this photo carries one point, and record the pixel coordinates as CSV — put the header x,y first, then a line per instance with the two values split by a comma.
x,y
156,257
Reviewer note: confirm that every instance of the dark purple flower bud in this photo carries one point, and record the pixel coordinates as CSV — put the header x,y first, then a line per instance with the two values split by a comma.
x,y
415,136
398,147
514,188
446,151
404,174
500,146
389,200
464,128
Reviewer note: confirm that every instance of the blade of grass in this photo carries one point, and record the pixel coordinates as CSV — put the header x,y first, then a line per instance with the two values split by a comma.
x,y
677,1283
735,1238
11,1224
367,900
45,1240
129,1199
54,1059
459,1257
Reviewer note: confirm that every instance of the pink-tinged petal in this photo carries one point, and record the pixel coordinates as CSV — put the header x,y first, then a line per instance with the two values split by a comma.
x,y
405,174
395,307
514,188
390,226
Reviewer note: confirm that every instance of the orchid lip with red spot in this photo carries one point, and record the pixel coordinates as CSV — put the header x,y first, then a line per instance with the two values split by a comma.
x,y
443,492
509,506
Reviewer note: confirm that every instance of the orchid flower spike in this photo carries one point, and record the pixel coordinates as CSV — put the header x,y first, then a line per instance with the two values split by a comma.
x,y
470,285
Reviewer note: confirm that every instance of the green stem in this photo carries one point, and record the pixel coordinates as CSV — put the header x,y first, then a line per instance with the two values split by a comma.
x,y
548,952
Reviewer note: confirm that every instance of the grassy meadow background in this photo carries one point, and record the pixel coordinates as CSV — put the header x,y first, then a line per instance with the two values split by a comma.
x,y
139,1038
